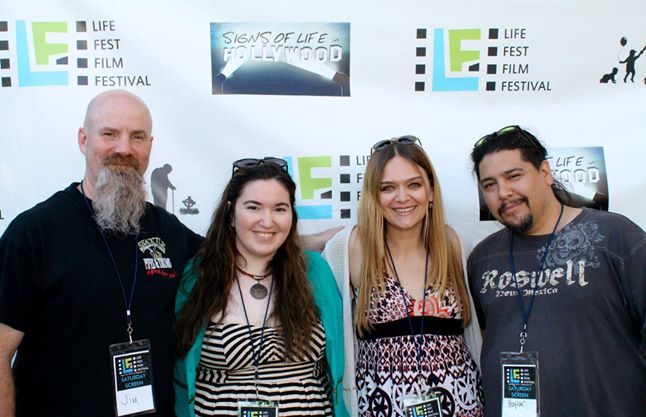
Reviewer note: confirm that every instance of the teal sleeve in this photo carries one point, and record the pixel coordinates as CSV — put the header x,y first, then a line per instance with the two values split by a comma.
x,y
184,370
328,301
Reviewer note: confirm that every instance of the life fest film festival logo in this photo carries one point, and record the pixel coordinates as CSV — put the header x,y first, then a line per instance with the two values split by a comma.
x,y
493,60
329,186
62,53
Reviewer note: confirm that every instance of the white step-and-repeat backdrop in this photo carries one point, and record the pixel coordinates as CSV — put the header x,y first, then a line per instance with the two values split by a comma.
x,y
318,83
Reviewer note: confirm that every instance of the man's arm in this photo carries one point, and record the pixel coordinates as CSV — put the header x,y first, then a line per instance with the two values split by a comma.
x,y
9,341
316,241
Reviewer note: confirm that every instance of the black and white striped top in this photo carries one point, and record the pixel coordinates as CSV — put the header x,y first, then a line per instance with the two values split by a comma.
x,y
225,374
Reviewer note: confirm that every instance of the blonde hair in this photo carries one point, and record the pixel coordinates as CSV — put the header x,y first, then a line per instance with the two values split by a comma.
x,y
445,260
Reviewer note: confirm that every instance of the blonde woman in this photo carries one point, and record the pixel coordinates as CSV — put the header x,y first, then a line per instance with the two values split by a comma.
x,y
401,272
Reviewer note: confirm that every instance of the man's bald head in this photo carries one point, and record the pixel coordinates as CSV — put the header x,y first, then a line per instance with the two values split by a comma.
x,y
98,105
116,133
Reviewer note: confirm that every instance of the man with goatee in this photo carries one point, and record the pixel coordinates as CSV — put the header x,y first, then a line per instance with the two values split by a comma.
x,y
560,292
87,271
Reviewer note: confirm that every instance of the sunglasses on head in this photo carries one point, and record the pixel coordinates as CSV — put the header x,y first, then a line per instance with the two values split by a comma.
x,y
507,130
404,140
252,162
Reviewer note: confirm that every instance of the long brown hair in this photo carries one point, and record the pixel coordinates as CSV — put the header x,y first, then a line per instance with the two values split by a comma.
x,y
215,262
445,261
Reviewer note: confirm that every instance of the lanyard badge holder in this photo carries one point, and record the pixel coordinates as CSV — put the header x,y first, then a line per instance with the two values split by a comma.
x,y
132,370
520,384
520,388
132,375
520,375
423,403
132,378
423,406
131,362
256,408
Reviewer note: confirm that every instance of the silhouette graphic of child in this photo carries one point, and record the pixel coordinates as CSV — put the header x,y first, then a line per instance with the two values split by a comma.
x,y
610,76
630,64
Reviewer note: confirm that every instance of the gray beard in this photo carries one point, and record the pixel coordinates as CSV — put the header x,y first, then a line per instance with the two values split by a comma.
x,y
119,200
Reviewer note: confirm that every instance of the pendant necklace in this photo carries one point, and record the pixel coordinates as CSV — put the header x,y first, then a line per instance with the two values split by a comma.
x,y
257,290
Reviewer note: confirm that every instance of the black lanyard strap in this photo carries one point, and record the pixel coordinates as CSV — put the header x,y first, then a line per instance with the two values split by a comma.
x,y
525,314
256,354
126,300
419,345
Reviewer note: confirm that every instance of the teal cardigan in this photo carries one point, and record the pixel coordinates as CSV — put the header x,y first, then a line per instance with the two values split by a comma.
x,y
328,301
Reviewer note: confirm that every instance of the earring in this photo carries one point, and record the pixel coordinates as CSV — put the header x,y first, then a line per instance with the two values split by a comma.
x,y
430,205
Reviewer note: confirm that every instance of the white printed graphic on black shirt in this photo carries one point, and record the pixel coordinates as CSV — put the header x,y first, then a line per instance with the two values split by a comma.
x,y
156,263
571,253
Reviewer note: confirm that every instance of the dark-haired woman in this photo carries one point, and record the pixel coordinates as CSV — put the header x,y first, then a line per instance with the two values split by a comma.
x,y
259,320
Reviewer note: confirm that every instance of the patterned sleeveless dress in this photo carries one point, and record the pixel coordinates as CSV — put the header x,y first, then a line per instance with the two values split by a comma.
x,y
225,373
387,364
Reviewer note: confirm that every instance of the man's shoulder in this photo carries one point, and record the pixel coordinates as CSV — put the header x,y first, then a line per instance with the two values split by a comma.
x,y
494,241
613,228
44,213
611,218
607,223
163,217
158,218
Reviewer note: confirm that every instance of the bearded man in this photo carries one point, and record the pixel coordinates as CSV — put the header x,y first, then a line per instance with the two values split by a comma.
x,y
560,292
89,273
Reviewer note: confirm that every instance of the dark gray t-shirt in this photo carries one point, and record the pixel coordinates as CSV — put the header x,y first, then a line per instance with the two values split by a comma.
x,y
588,322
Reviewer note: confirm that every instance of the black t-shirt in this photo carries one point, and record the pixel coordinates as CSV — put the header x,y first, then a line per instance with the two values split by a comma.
x,y
59,286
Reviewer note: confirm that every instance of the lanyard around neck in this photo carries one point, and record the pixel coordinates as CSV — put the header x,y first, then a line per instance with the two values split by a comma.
x,y
126,300
525,314
419,344
256,354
